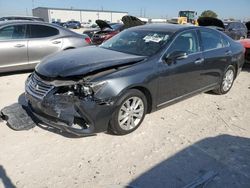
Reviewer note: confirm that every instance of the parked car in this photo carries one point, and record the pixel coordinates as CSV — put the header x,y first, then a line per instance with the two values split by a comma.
x,y
246,44
30,18
140,70
23,44
236,30
248,29
72,24
62,24
108,30
91,31
86,24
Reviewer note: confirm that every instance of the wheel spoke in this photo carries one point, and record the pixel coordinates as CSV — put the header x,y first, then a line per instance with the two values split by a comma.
x,y
124,121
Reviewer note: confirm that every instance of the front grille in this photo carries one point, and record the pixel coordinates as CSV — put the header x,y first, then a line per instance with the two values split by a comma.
x,y
38,88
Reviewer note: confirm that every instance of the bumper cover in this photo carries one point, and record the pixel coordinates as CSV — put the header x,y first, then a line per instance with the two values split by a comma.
x,y
63,112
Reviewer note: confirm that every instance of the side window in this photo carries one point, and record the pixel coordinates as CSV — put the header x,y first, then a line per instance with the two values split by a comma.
x,y
211,40
185,42
42,31
13,32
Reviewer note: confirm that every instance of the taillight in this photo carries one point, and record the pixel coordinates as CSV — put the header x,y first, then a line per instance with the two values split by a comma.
x,y
88,40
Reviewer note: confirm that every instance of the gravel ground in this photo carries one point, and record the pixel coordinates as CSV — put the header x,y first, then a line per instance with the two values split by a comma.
x,y
173,146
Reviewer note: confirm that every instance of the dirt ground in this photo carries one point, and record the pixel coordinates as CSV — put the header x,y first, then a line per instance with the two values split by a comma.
x,y
172,148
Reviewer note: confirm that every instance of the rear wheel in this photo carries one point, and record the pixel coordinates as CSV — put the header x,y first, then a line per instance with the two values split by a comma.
x,y
130,113
226,81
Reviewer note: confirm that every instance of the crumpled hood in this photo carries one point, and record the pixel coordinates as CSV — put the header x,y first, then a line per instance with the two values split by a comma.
x,y
83,61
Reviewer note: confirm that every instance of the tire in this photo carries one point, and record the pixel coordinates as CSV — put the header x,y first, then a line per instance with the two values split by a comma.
x,y
227,81
126,118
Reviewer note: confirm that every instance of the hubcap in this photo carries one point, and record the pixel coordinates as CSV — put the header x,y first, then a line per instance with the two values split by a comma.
x,y
131,113
228,80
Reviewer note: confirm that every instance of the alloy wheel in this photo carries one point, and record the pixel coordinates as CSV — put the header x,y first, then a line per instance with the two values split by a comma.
x,y
131,113
228,80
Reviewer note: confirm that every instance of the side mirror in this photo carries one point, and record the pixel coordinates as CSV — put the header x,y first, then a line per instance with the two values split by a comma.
x,y
176,55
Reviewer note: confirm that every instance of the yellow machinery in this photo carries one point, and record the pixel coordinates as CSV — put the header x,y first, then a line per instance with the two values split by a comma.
x,y
185,17
189,15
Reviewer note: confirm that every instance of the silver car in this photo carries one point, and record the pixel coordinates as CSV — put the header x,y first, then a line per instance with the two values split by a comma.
x,y
23,44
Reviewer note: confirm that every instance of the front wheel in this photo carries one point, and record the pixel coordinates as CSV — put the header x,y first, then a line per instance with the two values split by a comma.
x,y
227,81
131,110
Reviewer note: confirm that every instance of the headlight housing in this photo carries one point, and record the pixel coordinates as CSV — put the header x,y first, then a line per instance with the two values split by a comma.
x,y
83,89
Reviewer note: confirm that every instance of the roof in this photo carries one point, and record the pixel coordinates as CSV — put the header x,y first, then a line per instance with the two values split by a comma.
x,y
19,16
20,22
165,27
88,10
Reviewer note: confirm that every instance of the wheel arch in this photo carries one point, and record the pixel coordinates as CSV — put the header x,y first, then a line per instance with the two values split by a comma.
x,y
147,94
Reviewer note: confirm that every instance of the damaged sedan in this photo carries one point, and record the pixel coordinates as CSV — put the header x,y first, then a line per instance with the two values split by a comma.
x,y
140,70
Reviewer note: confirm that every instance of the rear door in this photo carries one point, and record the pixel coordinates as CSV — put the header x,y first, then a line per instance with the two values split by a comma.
x,y
217,55
13,46
43,41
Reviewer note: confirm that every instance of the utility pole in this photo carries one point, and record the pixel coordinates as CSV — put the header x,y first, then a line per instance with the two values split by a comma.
x,y
33,4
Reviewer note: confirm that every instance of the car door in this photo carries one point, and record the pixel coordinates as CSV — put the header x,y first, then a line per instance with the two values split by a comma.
x,y
43,41
13,46
216,53
181,76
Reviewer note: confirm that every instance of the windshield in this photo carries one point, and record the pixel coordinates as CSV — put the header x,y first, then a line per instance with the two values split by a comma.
x,y
188,14
137,42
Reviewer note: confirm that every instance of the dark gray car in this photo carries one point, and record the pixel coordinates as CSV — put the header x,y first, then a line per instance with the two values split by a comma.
x,y
138,71
23,44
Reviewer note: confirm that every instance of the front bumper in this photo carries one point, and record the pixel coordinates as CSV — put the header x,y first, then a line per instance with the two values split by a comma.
x,y
64,112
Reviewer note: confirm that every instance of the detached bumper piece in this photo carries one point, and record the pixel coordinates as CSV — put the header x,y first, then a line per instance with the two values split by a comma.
x,y
18,117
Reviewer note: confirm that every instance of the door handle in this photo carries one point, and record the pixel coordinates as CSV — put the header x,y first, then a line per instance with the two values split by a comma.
x,y
199,61
56,42
19,45
229,52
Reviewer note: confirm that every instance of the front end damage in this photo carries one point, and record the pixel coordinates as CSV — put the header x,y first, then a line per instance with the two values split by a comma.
x,y
69,105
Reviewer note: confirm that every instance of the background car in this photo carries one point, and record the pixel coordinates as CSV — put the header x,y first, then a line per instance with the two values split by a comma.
x,y
108,30
58,23
236,30
23,44
246,44
248,28
31,18
72,24
86,24
140,70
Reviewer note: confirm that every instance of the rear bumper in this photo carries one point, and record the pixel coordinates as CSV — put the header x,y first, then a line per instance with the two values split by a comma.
x,y
64,113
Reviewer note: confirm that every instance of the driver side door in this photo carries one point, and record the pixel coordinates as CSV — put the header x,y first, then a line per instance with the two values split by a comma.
x,y
179,77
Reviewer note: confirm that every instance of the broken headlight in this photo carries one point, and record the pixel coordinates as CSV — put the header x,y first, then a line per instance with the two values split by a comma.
x,y
82,89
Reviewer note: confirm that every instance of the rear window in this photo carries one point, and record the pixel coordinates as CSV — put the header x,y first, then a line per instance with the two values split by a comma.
x,y
211,40
42,31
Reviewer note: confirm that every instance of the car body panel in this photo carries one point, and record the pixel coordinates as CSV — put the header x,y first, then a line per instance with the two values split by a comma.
x,y
69,63
17,50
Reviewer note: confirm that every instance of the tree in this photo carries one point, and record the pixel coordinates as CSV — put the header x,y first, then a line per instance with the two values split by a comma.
x,y
209,13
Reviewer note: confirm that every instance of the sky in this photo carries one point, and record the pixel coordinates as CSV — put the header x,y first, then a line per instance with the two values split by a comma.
x,y
238,9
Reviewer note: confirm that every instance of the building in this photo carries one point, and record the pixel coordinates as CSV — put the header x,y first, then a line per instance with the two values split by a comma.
x,y
82,15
